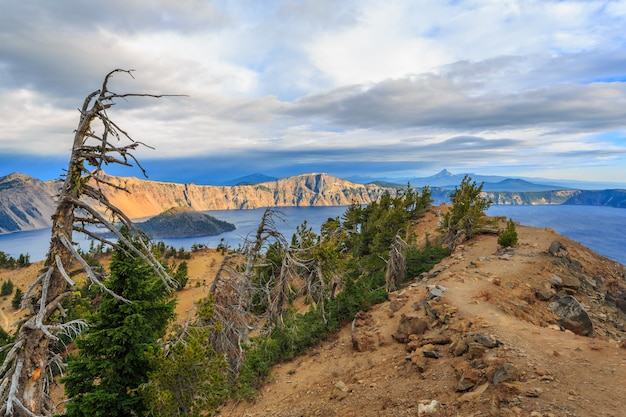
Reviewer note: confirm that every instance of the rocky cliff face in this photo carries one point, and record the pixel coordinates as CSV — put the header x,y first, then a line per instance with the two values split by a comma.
x,y
25,203
148,198
531,197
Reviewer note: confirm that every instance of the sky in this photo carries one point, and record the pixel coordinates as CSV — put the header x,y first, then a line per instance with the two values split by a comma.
x,y
363,88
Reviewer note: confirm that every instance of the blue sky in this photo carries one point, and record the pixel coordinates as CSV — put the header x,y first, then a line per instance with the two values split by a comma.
x,y
386,88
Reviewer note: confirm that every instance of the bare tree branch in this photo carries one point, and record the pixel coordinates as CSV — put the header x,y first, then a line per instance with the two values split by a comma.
x,y
27,364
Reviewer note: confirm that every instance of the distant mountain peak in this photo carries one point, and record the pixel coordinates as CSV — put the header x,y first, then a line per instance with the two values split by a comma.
x,y
16,176
250,179
443,173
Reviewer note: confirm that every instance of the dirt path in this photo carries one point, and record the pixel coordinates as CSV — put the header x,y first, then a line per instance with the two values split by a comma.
x,y
593,370
560,373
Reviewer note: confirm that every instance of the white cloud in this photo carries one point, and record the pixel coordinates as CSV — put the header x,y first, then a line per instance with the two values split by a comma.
x,y
319,80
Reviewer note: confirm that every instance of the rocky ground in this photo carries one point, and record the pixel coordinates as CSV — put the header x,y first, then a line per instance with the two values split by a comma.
x,y
486,333
478,336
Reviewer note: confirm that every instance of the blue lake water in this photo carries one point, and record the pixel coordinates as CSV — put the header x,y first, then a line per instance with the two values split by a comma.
x,y
602,229
35,243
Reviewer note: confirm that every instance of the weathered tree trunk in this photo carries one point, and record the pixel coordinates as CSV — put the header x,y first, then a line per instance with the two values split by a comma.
x,y
27,370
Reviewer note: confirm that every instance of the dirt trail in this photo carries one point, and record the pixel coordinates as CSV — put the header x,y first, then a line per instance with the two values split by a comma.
x,y
559,373
569,358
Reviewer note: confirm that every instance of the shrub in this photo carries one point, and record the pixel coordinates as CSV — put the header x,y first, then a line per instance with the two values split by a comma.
x,y
509,236
467,212
7,288
17,298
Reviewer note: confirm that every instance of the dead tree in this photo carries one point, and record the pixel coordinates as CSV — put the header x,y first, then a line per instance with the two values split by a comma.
x,y
233,288
27,370
396,265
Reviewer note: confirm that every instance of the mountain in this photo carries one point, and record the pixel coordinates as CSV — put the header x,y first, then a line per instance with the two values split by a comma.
x,y
612,198
148,198
448,180
517,185
179,222
251,179
482,334
25,203
445,179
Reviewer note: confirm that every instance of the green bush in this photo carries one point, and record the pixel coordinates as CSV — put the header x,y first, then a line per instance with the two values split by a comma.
x,y
509,236
418,261
467,212
7,288
17,298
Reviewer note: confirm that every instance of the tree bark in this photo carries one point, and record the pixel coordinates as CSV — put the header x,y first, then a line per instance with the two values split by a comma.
x,y
27,370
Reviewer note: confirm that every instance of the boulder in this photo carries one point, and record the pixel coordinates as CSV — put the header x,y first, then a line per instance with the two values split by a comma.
x,y
459,347
435,291
544,294
362,338
505,373
566,282
475,350
556,247
486,341
409,324
572,314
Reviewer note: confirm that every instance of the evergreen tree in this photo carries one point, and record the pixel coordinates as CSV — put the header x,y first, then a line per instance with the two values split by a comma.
x,y
7,288
509,236
189,379
181,276
17,298
465,217
114,353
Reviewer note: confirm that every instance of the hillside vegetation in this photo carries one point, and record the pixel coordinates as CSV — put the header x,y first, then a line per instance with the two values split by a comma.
x,y
183,222
371,316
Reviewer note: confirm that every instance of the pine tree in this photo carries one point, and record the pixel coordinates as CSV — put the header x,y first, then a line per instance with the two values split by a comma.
x,y
465,217
113,359
509,236
190,378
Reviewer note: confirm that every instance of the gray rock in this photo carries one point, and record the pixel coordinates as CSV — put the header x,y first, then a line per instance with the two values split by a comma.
x,y
465,384
598,280
431,354
556,247
436,291
555,280
505,373
544,294
486,341
572,314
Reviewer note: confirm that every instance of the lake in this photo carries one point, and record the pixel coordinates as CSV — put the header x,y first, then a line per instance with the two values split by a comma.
x,y
601,229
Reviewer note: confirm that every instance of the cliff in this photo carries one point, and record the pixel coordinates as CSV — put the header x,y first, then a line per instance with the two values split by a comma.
x,y
148,198
532,197
25,203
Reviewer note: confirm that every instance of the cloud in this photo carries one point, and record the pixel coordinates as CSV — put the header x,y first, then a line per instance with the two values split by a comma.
x,y
354,86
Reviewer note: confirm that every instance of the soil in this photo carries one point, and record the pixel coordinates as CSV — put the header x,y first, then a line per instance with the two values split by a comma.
x,y
486,293
489,293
